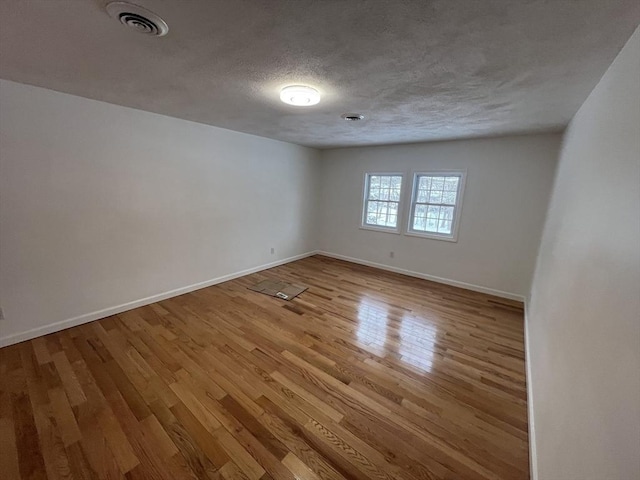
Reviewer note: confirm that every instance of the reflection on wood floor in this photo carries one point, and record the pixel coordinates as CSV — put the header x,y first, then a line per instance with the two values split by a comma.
x,y
366,375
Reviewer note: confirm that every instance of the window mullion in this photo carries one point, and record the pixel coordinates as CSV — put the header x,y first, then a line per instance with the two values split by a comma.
x,y
436,204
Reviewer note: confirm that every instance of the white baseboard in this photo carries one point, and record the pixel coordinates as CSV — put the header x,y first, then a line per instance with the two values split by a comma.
x,y
90,317
411,273
533,457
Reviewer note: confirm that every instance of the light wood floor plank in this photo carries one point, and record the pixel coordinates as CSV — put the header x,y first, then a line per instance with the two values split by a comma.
x,y
366,375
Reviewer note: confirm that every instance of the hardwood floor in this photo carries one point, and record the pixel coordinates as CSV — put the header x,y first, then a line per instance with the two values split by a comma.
x,y
366,375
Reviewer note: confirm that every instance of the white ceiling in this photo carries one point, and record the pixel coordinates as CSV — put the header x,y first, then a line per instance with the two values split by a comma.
x,y
419,70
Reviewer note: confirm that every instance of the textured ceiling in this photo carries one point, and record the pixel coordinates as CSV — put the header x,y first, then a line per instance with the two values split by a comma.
x,y
419,70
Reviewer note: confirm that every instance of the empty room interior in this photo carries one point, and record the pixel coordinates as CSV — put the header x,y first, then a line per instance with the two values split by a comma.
x,y
320,239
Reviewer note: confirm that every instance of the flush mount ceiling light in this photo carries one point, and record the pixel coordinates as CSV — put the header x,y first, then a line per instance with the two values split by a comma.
x,y
352,117
141,19
299,95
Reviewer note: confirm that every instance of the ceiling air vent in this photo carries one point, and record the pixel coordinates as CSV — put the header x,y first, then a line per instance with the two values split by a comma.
x,y
141,19
352,117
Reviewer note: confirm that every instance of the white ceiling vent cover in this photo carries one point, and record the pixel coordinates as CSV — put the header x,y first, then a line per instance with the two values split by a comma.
x,y
143,20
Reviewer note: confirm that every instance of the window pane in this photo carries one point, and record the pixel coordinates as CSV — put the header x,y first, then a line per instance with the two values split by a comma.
x,y
374,181
419,223
423,195
420,211
446,213
432,225
396,182
437,183
375,218
391,220
381,213
424,182
435,196
451,184
393,215
444,226
433,212
449,197
385,181
374,193
372,208
384,194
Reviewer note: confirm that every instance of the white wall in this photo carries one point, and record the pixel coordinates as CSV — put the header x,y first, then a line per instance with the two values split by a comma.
x,y
583,322
103,205
509,181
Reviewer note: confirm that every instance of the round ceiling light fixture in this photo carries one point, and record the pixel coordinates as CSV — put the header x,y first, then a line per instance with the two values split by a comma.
x,y
138,18
352,117
300,95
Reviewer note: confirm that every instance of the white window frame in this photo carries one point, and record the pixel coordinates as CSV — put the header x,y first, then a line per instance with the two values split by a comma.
x,y
457,210
365,194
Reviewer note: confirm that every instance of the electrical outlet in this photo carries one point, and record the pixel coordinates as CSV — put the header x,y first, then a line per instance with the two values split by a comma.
x,y
391,254
273,250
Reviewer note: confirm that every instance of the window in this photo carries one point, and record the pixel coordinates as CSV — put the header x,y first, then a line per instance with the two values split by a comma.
x,y
382,201
435,204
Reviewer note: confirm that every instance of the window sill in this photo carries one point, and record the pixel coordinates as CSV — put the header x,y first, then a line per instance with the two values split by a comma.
x,y
453,239
379,229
